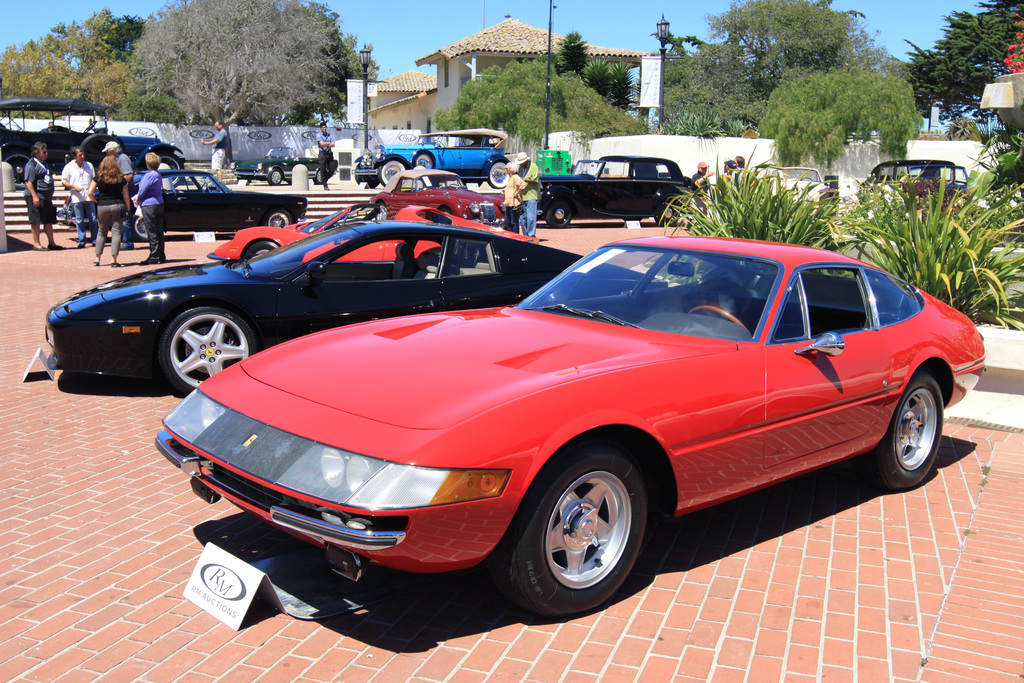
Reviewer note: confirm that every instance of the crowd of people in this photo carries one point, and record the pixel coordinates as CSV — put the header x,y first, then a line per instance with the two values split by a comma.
x,y
99,200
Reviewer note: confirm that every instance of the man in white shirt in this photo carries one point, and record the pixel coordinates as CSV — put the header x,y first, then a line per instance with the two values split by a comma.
x,y
77,177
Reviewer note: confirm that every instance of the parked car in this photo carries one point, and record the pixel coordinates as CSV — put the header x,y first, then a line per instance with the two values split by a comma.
x,y
442,190
276,167
626,187
190,322
656,376
475,155
923,169
197,200
255,241
61,135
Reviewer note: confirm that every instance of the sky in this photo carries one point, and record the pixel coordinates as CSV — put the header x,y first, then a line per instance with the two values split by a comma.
x,y
401,31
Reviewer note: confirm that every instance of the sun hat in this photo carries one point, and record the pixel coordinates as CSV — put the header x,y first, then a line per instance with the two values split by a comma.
x,y
111,147
522,158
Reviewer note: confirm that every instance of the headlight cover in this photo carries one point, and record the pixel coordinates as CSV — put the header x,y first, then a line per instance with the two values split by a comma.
x,y
321,471
474,208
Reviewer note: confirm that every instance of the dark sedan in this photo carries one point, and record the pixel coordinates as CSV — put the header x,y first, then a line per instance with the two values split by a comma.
x,y
197,201
191,322
624,187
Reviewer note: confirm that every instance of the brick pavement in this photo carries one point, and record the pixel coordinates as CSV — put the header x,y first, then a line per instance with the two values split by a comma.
x,y
819,578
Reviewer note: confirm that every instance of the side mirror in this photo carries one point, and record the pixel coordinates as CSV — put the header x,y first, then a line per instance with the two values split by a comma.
x,y
316,271
830,344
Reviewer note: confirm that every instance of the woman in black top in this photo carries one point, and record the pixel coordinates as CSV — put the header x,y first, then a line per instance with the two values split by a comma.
x,y
112,202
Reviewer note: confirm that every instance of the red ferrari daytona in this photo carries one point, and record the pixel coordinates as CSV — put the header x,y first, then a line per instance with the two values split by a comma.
x,y
655,376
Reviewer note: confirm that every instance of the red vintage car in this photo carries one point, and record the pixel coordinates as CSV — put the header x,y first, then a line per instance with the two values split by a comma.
x,y
441,190
250,242
655,376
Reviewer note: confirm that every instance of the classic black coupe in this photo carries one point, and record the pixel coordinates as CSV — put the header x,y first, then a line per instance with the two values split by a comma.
x,y
625,187
196,200
190,322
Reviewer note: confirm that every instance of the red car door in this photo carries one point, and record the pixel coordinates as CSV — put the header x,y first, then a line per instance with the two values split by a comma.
x,y
820,399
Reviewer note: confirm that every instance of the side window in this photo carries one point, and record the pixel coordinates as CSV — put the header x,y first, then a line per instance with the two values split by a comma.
x,y
791,319
386,259
835,300
895,301
470,257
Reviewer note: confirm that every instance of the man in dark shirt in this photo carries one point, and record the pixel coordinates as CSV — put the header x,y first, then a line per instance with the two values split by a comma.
x,y
327,163
702,176
39,198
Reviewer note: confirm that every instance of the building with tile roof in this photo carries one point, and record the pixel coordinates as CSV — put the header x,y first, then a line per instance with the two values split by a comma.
x,y
463,60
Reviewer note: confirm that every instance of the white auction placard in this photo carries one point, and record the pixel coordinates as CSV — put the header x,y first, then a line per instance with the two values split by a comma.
x,y
225,586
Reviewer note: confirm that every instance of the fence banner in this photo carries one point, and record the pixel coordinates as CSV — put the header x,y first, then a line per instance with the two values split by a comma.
x,y
355,100
650,82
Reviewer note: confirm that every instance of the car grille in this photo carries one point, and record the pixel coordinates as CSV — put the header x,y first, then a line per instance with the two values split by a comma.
x,y
487,211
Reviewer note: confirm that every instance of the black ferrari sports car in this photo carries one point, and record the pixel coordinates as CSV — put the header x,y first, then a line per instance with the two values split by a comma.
x,y
190,322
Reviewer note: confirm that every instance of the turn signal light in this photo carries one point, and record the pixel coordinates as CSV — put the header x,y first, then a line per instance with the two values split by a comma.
x,y
463,485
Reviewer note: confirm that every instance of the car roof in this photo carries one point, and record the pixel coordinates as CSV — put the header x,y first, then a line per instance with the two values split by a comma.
x,y
790,255
67,104
415,172
469,131
630,157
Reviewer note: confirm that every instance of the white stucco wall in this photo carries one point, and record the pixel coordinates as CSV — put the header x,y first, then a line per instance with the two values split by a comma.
x,y
417,111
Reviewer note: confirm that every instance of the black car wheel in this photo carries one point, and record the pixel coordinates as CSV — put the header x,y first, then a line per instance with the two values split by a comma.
x,y
170,162
664,215
383,215
907,452
278,217
496,175
18,163
201,342
558,214
423,160
371,183
93,145
138,228
389,169
275,176
445,209
577,533
259,247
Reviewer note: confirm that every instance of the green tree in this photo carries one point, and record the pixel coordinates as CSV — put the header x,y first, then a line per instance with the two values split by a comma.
x,y
968,56
572,54
759,44
816,116
513,99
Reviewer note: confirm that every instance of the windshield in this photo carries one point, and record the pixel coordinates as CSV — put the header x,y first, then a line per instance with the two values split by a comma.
x,y
281,152
683,292
450,182
587,168
279,262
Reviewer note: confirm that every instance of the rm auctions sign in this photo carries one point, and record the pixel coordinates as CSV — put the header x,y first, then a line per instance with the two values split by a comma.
x,y
225,586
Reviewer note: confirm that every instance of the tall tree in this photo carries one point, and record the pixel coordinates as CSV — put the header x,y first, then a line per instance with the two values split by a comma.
x,y
572,54
968,56
817,115
513,99
243,61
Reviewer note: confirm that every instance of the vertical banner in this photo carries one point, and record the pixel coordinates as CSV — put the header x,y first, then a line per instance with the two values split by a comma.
x,y
934,121
355,100
650,82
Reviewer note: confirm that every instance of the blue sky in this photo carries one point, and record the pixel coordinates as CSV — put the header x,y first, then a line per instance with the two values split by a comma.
x,y
403,30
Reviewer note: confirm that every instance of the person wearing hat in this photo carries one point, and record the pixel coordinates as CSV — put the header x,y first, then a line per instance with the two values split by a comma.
x,y
112,149
327,163
531,194
702,176
730,166
513,197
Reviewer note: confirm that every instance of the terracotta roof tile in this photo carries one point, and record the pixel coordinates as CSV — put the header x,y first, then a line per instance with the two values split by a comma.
x,y
410,81
514,37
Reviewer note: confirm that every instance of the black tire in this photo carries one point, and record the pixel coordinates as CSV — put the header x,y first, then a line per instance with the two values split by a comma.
x,y
18,163
446,210
907,452
171,162
259,247
388,169
278,217
201,342
596,494
372,183
93,145
496,175
138,226
318,177
383,215
558,214
275,176
424,160
664,215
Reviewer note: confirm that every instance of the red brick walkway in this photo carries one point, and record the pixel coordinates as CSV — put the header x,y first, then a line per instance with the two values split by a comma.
x,y
819,578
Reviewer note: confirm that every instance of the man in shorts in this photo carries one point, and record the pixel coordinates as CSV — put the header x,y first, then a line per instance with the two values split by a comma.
x,y
39,198
220,150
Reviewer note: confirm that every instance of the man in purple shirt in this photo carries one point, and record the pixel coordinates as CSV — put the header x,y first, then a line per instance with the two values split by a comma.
x,y
150,200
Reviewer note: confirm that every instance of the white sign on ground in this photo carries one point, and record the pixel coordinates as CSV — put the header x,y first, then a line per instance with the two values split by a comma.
x,y
225,586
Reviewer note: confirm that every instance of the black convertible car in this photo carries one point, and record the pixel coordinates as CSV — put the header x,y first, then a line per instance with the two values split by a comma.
x,y
625,187
192,321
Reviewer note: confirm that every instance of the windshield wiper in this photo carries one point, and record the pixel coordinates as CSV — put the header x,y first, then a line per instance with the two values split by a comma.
x,y
584,313
246,268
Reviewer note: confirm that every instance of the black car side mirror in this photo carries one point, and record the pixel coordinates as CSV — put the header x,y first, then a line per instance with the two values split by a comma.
x,y
316,271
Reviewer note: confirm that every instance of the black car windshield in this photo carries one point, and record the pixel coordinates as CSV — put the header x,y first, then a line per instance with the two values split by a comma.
x,y
279,262
722,296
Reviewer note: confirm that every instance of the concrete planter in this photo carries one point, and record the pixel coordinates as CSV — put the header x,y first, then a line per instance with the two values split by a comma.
x,y
1005,97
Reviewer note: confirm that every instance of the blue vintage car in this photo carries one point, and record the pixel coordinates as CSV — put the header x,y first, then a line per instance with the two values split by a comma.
x,y
475,155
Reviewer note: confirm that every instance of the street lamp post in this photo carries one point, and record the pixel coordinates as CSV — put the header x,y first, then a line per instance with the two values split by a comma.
x,y
364,60
663,38
547,96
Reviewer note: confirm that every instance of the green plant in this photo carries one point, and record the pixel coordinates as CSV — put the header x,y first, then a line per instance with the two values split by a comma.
x,y
958,250
757,204
702,123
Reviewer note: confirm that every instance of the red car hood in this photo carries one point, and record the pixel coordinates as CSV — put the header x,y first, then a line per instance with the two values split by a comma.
x,y
434,371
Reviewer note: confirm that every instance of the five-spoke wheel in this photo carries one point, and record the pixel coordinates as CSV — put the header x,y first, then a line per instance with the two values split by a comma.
x,y
201,342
